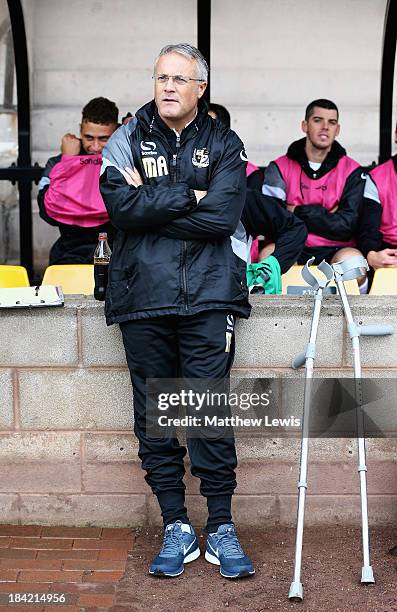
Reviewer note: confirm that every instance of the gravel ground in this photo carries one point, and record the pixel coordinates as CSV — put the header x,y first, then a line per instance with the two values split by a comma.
x,y
330,574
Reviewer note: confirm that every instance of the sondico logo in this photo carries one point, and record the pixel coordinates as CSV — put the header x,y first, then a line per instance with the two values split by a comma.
x,y
155,166
148,147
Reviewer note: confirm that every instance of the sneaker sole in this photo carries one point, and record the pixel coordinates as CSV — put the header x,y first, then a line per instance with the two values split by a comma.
x,y
215,561
192,557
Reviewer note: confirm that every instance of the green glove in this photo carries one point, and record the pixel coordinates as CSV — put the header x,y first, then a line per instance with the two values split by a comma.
x,y
264,277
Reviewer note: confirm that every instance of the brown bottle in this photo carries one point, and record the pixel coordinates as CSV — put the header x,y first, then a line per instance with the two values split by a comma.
x,y
101,266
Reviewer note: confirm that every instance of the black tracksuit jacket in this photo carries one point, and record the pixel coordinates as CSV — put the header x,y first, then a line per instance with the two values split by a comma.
x,y
172,256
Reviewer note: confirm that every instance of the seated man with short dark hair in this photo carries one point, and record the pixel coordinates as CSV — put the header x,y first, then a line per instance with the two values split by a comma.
x,y
378,222
69,194
321,185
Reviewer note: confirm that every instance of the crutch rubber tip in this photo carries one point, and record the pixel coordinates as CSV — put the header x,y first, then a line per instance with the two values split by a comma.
x,y
367,575
296,591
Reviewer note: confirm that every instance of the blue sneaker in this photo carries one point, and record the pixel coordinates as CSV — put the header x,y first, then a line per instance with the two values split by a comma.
x,y
180,546
224,549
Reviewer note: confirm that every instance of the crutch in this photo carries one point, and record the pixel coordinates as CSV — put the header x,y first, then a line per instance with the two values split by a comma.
x,y
349,269
307,358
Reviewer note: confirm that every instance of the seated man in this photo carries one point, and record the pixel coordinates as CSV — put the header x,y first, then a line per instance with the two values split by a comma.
x,y
263,215
378,221
321,185
69,194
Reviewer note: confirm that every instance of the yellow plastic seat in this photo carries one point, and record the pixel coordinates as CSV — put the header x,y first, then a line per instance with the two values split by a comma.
x,y
293,277
77,278
385,282
13,276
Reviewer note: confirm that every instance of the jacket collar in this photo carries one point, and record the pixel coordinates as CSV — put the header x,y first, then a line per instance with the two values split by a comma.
x,y
296,152
150,120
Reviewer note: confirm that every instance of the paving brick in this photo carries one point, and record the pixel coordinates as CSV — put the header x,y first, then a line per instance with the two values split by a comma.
x,y
31,564
116,554
51,446
8,575
117,534
13,553
72,532
41,543
45,477
110,565
102,576
49,576
100,601
44,328
118,477
6,395
125,544
106,448
67,554
99,588
84,510
65,587
63,608
24,587
78,395
4,542
21,530
18,608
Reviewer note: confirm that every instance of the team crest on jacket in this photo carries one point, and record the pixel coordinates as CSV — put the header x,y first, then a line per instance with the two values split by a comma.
x,y
201,158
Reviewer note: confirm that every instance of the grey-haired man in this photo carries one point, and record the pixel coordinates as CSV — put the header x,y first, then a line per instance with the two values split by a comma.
x,y
173,182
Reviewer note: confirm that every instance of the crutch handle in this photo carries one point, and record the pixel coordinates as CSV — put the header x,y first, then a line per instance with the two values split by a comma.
x,y
375,330
299,361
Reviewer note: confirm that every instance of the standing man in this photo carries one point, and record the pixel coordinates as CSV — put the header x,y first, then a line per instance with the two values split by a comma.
x,y
69,194
321,185
173,182
378,222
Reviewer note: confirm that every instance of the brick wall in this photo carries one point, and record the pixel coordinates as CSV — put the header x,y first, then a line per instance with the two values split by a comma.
x,y
68,455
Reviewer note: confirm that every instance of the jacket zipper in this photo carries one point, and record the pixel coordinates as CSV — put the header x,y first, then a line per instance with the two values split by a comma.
x,y
184,244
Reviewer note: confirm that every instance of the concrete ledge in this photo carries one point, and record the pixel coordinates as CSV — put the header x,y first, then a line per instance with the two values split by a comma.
x,y
68,454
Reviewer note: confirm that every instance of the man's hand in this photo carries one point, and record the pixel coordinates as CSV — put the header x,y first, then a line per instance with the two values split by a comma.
x,y
387,258
133,177
70,145
291,207
199,194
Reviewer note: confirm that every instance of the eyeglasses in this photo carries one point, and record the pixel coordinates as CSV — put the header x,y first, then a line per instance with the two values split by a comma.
x,y
178,79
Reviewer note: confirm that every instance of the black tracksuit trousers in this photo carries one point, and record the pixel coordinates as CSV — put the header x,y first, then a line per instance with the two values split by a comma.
x,y
197,346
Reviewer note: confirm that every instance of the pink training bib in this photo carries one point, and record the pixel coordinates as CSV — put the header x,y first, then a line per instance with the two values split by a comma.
x,y
325,191
73,197
385,179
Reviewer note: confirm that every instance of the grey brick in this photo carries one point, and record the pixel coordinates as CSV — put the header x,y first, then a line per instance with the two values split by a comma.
x,y
21,447
6,400
44,477
83,510
102,345
9,508
110,448
39,337
78,399
279,328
